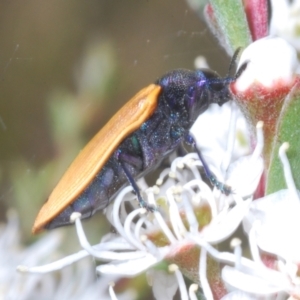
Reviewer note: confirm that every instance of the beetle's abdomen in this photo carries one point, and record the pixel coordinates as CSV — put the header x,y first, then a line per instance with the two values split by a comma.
x,y
97,195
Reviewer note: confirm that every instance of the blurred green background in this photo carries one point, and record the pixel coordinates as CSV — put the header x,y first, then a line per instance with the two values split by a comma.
x,y
66,67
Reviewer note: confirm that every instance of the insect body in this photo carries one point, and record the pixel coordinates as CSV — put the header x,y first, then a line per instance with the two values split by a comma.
x,y
142,133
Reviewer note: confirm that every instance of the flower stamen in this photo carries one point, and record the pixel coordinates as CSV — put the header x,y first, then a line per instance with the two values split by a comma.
x,y
236,245
202,275
127,229
288,172
259,141
112,292
54,266
182,287
175,219
253,244
205,190
164,227
190,215
192,291
116,211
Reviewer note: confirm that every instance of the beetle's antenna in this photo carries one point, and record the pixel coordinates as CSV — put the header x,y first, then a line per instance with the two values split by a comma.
x,y
229,78
241,70
233,61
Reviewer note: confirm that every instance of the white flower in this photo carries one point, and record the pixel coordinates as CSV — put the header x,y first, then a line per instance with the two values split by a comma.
x,y
73,282
270,60
272,225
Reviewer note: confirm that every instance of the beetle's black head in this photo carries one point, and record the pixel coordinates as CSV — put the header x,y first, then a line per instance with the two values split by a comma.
x,y
193,91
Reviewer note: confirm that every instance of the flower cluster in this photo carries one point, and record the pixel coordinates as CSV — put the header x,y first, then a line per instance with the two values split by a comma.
x,y
77,281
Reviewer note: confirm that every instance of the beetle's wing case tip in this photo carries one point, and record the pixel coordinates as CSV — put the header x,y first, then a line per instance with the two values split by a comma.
x,y
46,214
37,229
39,223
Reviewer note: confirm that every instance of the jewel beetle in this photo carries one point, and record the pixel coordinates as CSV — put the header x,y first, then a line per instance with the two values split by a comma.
x,y
136,139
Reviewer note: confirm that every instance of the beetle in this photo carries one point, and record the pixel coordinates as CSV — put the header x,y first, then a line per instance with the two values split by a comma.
x,y
135,140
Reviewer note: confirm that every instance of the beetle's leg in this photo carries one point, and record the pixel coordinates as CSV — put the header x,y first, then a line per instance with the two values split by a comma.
x,y
122,158
225,189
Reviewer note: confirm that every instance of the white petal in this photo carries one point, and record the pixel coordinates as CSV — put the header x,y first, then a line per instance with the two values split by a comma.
x,y
211,134
248,283
244,175
220,229
164,285
260,208
278,229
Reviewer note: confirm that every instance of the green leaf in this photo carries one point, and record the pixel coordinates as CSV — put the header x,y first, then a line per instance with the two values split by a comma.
x,y
232,21
288,130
